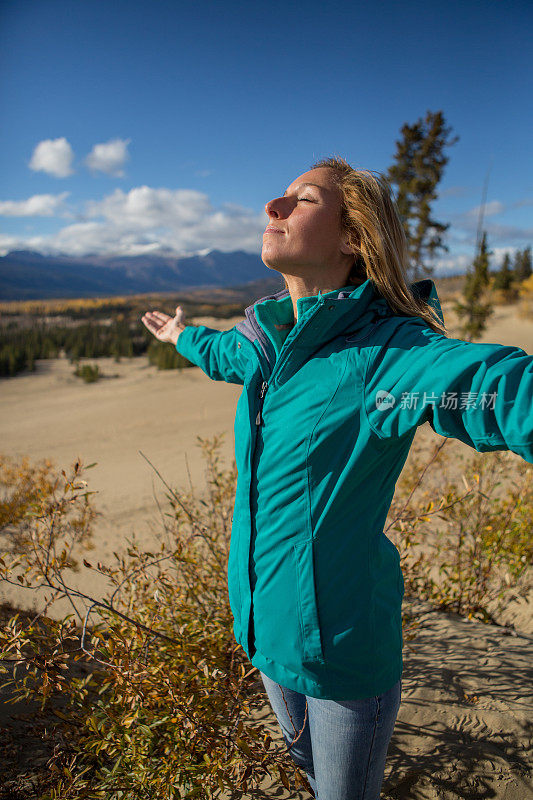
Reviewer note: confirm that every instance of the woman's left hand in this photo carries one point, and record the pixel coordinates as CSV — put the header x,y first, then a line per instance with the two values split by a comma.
x,y
165,328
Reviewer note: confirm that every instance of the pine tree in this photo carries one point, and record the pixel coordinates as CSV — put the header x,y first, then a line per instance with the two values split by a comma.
x,y
474,309
503,279
418,168
517,264
522,264
527,267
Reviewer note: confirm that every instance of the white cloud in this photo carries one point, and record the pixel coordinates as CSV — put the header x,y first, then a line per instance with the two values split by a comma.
x,y
499,253
491,209
40,205
508,233
452,264
8,243
526,201
459,263
464,226
151,220
109,157
144,207
183,221
53,156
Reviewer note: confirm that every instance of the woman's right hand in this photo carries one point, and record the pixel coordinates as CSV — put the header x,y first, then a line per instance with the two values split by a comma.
x,y
165,328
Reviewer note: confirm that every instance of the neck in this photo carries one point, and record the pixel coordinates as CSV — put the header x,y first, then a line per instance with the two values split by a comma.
x,y
299,286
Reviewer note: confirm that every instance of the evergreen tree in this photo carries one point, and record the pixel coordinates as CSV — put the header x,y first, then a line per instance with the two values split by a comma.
x,y
527,267
503,279
418,168
522,264
474,309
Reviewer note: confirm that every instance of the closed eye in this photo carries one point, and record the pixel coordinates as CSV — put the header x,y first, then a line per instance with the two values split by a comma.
x,y
306,199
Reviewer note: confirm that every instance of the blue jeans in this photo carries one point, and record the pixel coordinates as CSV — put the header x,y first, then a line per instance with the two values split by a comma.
x,y
344,742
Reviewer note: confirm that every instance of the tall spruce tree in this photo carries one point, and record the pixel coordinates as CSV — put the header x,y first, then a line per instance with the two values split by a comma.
x,y
522,264
418,168
503,279
475,309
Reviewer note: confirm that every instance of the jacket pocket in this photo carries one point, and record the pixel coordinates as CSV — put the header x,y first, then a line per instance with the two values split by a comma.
x,y
304,557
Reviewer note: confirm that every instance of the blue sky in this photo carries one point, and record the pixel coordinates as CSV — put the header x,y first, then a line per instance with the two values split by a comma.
x,y
134,127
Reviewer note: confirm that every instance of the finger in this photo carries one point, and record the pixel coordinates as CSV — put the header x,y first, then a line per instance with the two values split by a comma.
x,y
160,316
154,325
151,327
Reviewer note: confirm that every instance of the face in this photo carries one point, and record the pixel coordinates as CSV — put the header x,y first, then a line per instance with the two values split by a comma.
x,y
303,235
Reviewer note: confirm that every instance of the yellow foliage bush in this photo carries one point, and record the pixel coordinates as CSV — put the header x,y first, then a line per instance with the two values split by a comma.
x,y
526,287
167,708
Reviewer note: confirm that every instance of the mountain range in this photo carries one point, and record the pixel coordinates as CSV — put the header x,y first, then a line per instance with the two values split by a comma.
x,y
27,275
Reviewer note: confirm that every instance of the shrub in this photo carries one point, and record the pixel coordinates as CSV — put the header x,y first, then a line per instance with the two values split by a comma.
x,y
463,550
88,372
22,486
166,356
168,707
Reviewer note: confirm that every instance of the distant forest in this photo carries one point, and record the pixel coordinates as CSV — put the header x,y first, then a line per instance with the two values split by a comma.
x,y
92,328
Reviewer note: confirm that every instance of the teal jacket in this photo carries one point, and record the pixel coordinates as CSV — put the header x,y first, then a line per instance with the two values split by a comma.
x,y
323,427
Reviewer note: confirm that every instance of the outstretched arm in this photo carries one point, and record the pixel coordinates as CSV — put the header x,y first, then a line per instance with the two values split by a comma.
x,y
479,393
217,353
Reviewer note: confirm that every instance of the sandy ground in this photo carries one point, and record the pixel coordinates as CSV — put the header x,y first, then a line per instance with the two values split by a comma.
x,y
462,731
136,409
464,725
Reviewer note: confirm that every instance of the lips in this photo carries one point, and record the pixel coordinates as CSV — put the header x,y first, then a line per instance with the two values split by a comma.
x,y
272,229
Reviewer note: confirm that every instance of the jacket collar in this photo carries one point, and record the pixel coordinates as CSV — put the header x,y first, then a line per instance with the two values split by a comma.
x,y
323,317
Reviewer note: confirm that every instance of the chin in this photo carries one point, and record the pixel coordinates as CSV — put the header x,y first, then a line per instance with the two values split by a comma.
x,y
268,261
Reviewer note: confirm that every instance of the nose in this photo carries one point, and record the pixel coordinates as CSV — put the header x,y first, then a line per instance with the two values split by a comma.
x,y
274,208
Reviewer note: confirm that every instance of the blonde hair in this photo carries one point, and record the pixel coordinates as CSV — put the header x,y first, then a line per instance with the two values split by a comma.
x,y
370,217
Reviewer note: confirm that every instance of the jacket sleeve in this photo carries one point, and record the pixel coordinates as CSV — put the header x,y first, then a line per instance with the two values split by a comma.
x,y
217,353
479,393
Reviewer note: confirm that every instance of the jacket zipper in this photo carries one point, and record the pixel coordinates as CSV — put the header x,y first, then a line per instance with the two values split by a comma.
x,y
280,362
250,635
250,645
259,418
259,421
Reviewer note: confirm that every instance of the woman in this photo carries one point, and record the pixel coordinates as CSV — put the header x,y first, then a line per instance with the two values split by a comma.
x,y
339,369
